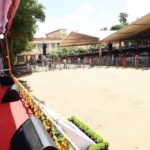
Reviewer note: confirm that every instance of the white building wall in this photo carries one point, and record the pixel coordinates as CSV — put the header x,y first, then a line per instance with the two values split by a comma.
x,y
52,45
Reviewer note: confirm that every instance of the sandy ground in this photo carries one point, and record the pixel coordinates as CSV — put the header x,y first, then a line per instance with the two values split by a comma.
x,y
114,102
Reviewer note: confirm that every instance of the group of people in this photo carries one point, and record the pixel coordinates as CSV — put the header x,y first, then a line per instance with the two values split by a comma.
x,y
77,61
42,62
122,59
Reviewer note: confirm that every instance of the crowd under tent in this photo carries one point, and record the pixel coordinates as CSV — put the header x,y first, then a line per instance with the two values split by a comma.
x,y
139,29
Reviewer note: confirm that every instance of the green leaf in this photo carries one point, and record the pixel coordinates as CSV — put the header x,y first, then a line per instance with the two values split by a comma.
x,y
24,26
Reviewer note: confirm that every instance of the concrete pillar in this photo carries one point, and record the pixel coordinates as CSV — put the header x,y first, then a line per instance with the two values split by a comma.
x,y
119,45
100,49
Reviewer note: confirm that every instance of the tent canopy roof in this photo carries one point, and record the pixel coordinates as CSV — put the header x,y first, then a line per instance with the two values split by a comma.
x,y
77,39
84,38
7,12
140,29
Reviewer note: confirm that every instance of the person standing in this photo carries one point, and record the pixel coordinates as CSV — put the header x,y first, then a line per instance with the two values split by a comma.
x,y
123,60
116,59
136,60
65,63
90,62
112,60
46,64
79,62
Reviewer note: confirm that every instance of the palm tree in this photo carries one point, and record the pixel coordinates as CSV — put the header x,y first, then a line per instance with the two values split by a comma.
x,y
123,18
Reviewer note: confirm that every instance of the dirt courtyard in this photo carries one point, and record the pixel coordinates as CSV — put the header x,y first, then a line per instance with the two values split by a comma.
x,y
114,102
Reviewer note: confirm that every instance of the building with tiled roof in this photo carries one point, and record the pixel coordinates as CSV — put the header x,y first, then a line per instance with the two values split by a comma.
x,y
60,33
44,45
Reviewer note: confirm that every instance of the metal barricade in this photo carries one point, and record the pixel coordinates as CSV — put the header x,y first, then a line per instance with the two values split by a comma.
x,y
130,61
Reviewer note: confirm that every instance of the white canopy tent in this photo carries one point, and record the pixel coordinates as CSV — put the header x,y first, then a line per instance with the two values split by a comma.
x,y
83,38
140,29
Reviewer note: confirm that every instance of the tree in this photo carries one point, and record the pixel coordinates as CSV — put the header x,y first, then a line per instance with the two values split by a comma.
x,y
104,29
24,26
123,22
81,50
116,27
63,52
53,54
123,18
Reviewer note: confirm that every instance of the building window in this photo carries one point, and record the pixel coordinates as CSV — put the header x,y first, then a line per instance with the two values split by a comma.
x,y
20,59
53,45
40,46
47,46
33,58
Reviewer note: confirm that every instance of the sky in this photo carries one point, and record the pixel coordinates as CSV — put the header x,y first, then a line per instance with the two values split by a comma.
x,y
78,15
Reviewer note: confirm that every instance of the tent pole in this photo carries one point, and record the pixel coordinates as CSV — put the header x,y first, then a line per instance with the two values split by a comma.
x,y
7,54
119,45
100,52
100,49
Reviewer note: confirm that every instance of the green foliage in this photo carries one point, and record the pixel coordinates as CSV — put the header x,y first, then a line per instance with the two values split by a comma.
x,y
60,53
117,27
71,50
106,144
104,29
123,21
81,50
24,25
123,18
65,50
53,54
93,47
101,144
